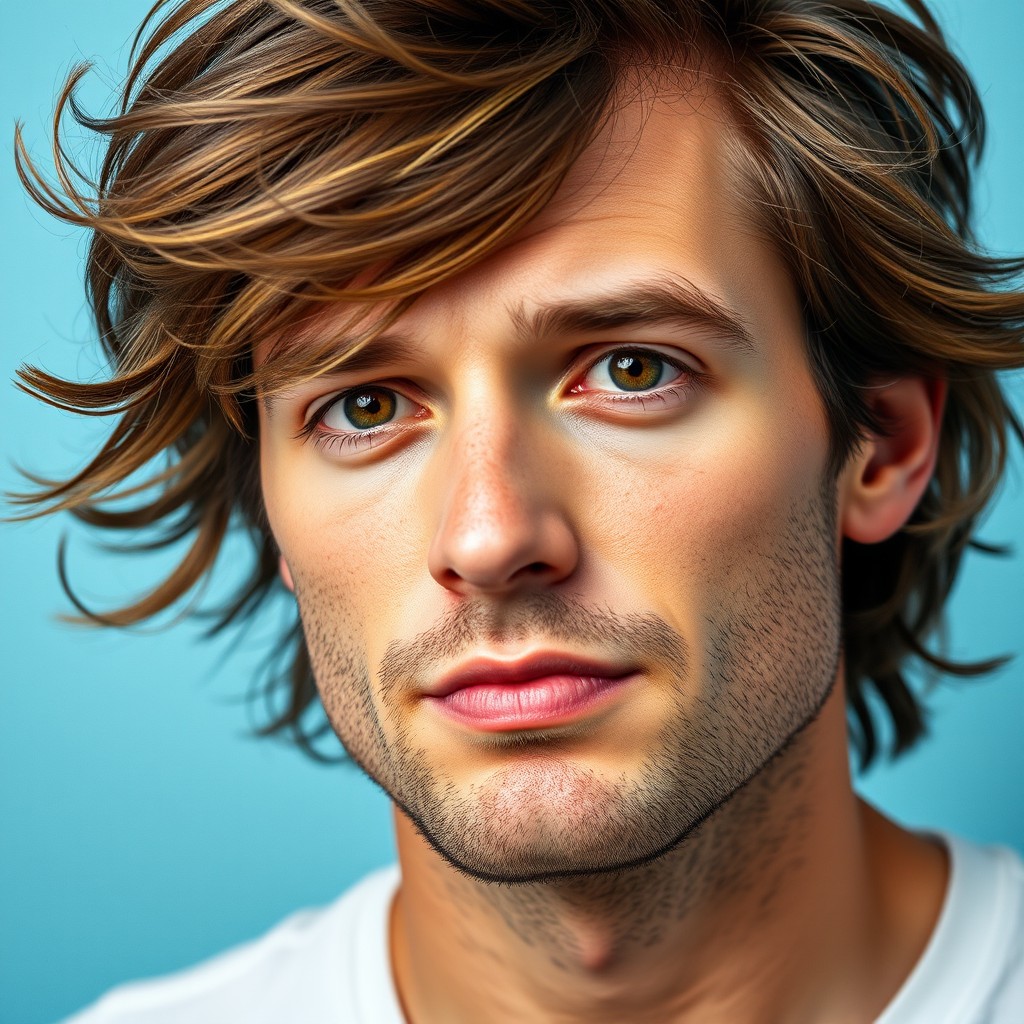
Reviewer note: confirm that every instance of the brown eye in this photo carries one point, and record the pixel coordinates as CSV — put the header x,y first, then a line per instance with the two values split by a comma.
x,y
635,370
363,409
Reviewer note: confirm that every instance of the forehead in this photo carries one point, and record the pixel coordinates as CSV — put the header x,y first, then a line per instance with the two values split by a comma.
x,y
663,160
656,195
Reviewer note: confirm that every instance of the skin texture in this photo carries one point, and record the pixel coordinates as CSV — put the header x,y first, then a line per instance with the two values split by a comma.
x,y
691,849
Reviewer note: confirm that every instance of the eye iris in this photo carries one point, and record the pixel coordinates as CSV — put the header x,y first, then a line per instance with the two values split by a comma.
x,y
370,408
636,371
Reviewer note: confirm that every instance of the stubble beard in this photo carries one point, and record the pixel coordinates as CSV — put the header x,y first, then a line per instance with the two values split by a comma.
x,y
771,659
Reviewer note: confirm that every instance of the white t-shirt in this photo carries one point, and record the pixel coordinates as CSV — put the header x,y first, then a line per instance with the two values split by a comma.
x,y
332,965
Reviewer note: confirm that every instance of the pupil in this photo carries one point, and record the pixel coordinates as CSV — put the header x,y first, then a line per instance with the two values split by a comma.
x,y
371,408
636,371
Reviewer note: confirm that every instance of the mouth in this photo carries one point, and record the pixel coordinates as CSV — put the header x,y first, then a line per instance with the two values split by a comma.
x,y
540,692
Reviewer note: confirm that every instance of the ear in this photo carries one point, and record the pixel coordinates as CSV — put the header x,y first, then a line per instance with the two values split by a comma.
x,y
286,574
884,481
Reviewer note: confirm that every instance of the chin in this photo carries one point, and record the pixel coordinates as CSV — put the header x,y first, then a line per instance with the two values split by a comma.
x,y
544,820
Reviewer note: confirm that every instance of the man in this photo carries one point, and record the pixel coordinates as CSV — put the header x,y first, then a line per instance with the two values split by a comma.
x,y
598,377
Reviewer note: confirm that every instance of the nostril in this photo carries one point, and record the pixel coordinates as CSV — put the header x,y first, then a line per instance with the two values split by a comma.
x,y
532,548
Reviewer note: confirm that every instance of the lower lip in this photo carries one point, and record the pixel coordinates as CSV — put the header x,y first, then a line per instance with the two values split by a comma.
x,y
538,704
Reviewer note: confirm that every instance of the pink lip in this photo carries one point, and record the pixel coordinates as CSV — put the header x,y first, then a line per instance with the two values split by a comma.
x,y
542,691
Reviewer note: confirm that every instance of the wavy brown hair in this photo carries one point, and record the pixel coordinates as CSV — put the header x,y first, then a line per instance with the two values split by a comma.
x,y
271,156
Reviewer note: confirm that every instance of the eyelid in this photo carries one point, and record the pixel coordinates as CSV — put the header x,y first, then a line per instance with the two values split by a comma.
x,y
335,440
316,409
675,357
693,378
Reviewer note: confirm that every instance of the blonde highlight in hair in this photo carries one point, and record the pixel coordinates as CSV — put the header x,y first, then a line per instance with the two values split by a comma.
x,y
270,157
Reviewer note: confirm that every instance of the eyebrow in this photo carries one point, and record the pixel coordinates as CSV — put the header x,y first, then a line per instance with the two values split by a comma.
x,y
666,301
390,347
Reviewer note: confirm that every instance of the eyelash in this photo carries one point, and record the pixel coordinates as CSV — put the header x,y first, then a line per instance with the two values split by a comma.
x,y
357,439
692,380
321,440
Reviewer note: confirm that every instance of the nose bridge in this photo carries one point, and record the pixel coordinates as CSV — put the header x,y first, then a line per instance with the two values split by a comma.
x,y
499,524
485,464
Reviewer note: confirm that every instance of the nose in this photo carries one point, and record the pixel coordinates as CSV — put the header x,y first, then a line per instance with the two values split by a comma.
x,y
501,526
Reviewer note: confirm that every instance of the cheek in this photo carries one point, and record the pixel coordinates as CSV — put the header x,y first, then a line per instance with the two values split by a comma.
x,y
690,514
343,534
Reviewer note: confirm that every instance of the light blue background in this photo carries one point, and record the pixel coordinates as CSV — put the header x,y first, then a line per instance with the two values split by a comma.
x,y
140,830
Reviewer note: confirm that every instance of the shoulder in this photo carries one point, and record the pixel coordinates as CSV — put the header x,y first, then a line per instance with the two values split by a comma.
x,y
317,964
972,970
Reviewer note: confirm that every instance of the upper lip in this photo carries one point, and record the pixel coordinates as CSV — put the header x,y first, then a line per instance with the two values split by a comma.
x,y
483,670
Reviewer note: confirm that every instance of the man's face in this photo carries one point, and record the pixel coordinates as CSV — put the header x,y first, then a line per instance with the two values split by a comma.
x,y
598,461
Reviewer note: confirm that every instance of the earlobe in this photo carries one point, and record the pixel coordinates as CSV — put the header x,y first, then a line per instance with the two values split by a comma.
x,y
884,481
286,574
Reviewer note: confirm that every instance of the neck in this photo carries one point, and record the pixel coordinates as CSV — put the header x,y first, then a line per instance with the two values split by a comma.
x,y
775,908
